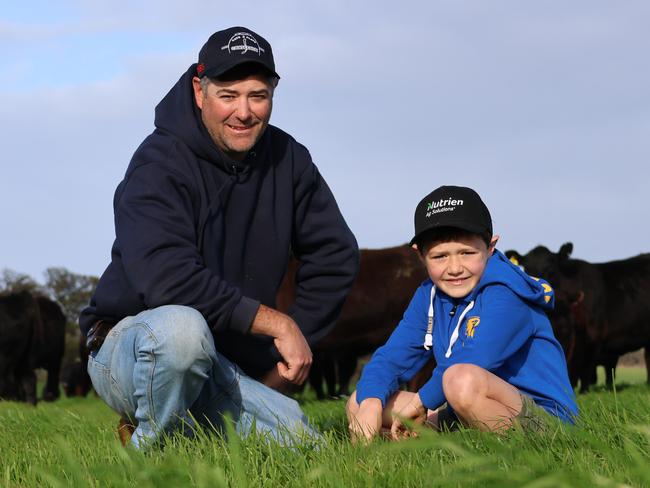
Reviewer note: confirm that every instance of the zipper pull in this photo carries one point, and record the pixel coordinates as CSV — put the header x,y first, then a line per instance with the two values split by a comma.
x,y
452,312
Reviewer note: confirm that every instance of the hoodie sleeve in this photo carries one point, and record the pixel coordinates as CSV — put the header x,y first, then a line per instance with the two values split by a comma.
x,y
328,253
156,233
486,338
401,357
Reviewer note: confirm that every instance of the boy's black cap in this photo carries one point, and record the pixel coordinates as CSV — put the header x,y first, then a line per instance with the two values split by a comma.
x,y
231,47
452,206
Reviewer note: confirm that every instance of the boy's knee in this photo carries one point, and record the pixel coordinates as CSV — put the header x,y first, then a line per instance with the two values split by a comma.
x,y
462,384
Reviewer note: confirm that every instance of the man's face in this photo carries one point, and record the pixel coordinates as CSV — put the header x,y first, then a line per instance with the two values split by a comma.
x,y
456,267
235,113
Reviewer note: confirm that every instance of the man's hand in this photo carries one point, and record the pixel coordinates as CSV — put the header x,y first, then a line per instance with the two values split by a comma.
x,y
296,354
365,425
288,339
413,410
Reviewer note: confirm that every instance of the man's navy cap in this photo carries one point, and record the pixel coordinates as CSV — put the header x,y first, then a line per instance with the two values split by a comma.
x,y
452,206
231,47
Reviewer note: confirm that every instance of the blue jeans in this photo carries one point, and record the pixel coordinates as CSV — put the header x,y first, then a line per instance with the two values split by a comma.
x,y
160,368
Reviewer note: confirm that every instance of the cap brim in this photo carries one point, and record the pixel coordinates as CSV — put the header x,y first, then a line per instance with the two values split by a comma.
x,y
475,229
224,68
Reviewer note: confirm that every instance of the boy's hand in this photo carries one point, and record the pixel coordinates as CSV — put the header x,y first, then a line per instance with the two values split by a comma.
x,y
413,410
367,422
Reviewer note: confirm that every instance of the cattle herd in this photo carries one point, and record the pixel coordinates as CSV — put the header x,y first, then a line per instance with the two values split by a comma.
x,y
602,311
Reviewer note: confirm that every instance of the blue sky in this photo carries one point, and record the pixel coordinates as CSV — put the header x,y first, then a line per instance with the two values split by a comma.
x,y
542,107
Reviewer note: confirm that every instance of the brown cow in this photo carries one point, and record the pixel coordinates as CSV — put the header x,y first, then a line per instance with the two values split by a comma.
x,y
383,289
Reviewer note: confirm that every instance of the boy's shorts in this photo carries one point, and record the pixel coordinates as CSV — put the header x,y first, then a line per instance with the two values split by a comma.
x,y
532,417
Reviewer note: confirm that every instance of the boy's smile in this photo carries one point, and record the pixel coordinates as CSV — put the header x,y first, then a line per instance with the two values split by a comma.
x,y
456,267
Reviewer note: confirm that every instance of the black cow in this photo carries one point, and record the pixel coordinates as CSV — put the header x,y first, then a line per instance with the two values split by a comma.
x,y
19,317
32,334
48,345
383,289
603,307
76,381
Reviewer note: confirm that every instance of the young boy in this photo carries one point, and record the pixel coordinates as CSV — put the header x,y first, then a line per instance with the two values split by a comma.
x,y
484,322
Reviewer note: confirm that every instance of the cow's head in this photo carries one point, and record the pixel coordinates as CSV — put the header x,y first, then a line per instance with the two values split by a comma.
x,y
556,268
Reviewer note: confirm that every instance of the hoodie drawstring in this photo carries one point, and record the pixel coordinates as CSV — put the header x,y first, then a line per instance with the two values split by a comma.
x,y
428,338
454,335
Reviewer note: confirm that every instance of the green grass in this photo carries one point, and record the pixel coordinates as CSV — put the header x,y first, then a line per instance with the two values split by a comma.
x,y
624,375
72,442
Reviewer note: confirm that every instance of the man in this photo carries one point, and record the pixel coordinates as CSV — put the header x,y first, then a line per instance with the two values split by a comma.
x,y
212,205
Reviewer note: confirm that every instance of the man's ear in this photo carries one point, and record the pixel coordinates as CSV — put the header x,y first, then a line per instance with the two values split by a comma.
x,y
493,243
198,92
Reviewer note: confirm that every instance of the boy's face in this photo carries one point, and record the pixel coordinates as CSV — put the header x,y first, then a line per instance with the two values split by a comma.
x,y
456,267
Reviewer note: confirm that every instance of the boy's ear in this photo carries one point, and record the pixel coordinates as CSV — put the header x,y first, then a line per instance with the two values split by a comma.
x,y
493,243
415,248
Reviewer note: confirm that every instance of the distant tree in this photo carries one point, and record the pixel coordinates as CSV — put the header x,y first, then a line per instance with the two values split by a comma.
x,y
71,290
12,281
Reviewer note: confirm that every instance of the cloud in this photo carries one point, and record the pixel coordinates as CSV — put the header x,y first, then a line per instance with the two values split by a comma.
x,y
542,108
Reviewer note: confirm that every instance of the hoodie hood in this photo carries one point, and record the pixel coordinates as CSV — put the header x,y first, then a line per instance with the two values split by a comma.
x,y
500,270
178,115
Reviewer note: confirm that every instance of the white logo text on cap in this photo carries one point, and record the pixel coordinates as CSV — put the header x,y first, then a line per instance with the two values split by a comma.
x,y
448,205
244,42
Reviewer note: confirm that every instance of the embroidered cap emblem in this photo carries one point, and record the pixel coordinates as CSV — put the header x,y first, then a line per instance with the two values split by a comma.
x,y
242,42
472,324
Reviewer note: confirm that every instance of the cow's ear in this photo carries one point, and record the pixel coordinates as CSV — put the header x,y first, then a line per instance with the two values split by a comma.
x,y
565,250
515,258
511,253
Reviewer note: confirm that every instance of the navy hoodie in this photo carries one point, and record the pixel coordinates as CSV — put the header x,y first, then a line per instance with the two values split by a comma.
x,y
500,326
196,228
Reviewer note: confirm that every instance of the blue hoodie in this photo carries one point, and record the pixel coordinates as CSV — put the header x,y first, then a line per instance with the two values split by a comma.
x,y
500,326
196,228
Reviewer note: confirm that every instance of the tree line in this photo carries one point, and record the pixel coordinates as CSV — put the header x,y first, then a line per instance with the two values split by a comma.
x,y
71,290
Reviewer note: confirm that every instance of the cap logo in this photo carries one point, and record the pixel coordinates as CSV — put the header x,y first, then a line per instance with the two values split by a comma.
x,y
244,42
448,205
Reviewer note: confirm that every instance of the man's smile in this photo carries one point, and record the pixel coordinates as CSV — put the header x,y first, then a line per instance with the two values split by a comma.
x,y
240,128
